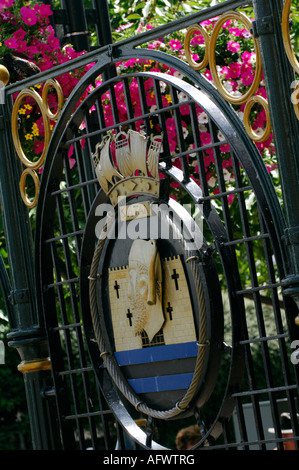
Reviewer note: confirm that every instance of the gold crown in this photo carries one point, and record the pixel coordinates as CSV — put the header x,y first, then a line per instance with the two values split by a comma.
x,y
134,152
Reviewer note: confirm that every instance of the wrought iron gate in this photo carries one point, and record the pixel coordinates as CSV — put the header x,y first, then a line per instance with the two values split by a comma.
x,y
73,404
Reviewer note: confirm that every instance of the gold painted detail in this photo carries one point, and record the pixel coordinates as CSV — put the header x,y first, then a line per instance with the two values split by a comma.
x,y
4,75
137,159
210,59
36,365
47,116
297,321
253,135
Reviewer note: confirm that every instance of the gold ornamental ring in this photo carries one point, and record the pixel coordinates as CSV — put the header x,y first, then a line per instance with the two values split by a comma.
x,y
15,133
52,84
191,30
22,184
236,100
253,135
286,35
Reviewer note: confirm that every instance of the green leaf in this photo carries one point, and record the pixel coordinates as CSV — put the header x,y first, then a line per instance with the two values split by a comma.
x,y
134,16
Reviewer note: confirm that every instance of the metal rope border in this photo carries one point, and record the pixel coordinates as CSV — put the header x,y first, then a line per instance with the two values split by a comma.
x,y
108,358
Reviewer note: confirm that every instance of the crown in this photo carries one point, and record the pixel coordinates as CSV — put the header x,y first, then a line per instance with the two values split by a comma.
x,y
137,160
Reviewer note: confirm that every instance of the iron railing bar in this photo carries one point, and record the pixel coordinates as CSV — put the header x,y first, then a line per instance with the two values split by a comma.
x,y
264,338
87,415
221,181
90,122
62,283
114,107
179,132
226,193
199,153
144,106
128,102
74,218
247,239
277,313
162,122
264,391
130,121
250,443
76,371
258,309
67,326
67,251
66,235
259,288
81,172
75,186
63,311
241,422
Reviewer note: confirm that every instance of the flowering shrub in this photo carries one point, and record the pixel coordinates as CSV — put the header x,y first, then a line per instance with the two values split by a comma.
x,y
236,66
27,29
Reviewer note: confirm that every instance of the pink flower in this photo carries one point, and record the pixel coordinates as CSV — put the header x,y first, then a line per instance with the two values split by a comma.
x,y
33,50
19,34
227,24
22,46
28,16
247,78
233,46
206,138
235,70
235,32
208,75
262,91
12,43
43,11
6,4
246,56
197,39
245,33
176,45
226,72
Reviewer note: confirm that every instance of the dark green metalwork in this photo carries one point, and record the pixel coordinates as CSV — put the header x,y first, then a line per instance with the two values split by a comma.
x,y
279,75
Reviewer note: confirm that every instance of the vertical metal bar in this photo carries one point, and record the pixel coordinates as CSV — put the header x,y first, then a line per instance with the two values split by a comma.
x,y
27,333
104,33
103,26
77,29
279,76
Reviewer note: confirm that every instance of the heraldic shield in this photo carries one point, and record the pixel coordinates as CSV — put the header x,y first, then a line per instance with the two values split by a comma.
x,y
155,304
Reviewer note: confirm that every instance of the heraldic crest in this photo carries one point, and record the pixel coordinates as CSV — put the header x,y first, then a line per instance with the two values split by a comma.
x,y
148,294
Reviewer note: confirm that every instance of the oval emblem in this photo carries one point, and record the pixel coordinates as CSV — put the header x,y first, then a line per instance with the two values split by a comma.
x,y
154,295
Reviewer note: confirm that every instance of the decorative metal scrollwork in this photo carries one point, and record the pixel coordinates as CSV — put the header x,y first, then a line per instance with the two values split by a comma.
x,y
197,29
286,35
250,103
285,25
210,59
47,116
